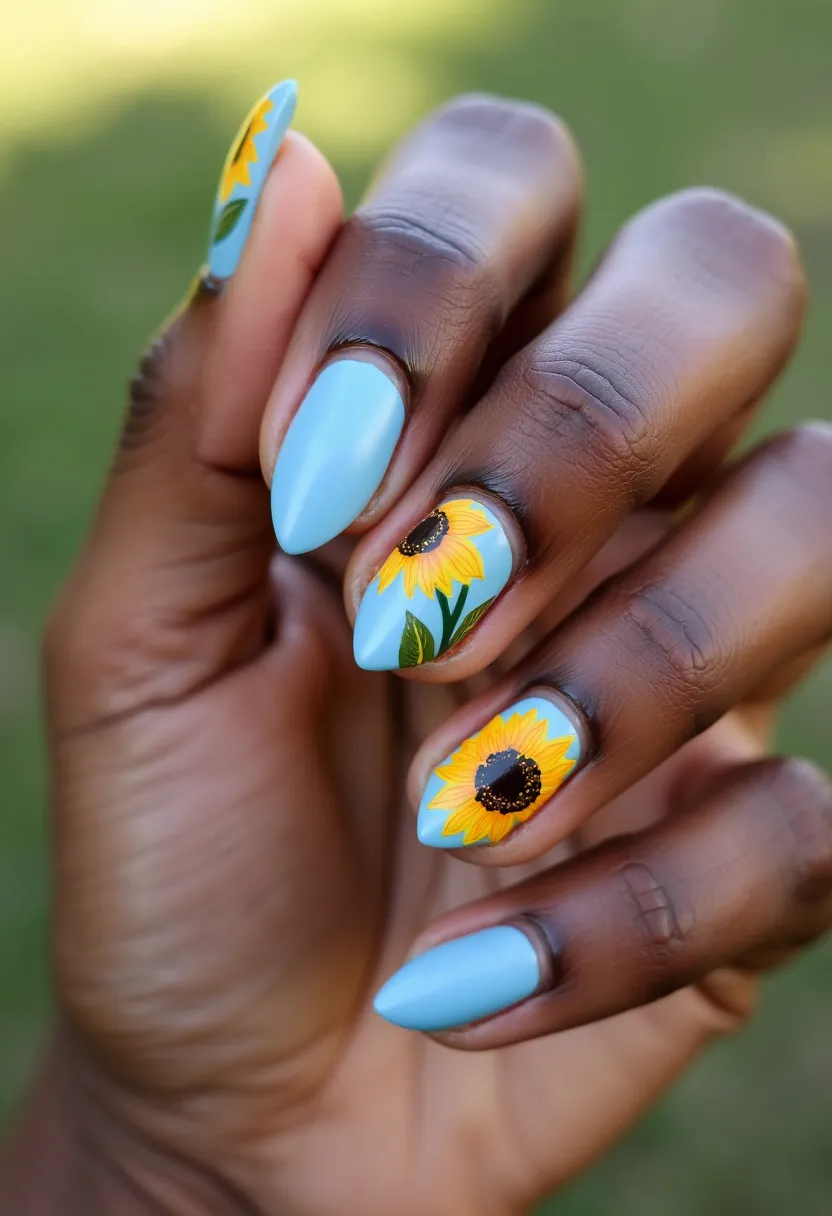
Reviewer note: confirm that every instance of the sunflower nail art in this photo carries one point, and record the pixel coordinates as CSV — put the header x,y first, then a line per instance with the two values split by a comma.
x,y
434,587
244,174
499,777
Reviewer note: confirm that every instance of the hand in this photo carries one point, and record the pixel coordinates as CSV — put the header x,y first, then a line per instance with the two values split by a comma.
x,y
237,869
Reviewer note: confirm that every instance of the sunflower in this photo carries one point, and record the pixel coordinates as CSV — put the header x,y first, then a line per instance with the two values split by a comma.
x,y
501,776
243,151
439,550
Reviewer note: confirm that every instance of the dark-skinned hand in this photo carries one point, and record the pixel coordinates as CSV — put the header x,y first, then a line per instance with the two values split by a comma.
x,y
237,869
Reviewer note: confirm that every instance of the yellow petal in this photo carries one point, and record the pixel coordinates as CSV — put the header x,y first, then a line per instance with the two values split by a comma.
x,y
243,151
411,576
468,756
532,740
466,517
493,738
462,819
522,726
463,559
450,798
479,830
501,827
551,754
512,731
390,570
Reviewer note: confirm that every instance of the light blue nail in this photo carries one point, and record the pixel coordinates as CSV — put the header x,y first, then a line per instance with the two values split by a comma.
x,y
244,174
335,453
506,772
407,616
461,981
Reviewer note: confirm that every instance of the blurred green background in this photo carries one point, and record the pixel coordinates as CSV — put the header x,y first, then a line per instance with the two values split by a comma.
x,y
114,119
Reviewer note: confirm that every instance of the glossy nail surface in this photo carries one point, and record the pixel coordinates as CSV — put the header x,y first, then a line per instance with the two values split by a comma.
x,y
461,981
434,587
499,777
335,453
244,174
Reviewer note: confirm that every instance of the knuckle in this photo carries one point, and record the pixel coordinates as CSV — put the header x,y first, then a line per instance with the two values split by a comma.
x,y
659,927
674,644
442,255
445,242
146,391
598,405
653,909
801,795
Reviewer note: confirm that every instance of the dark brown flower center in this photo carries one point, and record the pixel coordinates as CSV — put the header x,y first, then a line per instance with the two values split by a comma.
x,y
508,782
426,535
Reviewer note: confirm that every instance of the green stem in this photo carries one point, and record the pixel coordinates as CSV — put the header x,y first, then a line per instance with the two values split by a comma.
x,y
450,617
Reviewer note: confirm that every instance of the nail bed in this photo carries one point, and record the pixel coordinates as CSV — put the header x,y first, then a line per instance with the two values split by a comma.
x,y
434,588
500,776
335,453
461,981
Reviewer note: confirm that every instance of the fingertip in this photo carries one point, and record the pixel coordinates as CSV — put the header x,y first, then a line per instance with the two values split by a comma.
x,y
302,192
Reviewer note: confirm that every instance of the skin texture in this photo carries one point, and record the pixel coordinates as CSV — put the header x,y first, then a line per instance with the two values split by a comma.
x,y
236,862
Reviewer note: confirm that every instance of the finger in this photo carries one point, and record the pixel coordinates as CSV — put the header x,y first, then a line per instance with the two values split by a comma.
x,y
745,871
689,318
172,587
258,308
467,215
659,654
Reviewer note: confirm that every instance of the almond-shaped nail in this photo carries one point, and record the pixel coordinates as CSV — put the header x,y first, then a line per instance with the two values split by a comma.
x,y
435,586
461,981
244,175
499,777
335,452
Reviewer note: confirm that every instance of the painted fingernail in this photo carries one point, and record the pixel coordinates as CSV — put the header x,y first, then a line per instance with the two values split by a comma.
x,y
434,587
499,777
244,174
461,981
335,453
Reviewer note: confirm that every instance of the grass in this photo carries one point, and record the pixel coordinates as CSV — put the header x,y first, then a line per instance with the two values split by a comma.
x,y
109,148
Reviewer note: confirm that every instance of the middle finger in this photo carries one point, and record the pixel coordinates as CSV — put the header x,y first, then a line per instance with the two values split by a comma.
x,y
687,321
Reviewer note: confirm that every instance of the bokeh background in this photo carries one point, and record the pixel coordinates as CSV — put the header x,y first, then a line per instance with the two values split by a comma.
x,y
114,119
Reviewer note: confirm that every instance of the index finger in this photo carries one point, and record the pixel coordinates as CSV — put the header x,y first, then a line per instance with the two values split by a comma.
x,y
467,215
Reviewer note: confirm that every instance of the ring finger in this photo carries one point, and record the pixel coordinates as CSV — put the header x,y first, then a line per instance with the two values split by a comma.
x,y
740,591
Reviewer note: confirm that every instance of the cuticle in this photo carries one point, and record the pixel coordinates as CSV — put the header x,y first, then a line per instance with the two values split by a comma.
x,y
405,380
520,547
582,721
547,947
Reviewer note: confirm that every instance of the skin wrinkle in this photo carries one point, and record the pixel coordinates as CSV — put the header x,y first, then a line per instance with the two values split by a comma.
x,y
567,398
678,636
252,774
653,906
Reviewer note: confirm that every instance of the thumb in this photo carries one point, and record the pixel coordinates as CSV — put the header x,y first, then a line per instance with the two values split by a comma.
x,y
171,590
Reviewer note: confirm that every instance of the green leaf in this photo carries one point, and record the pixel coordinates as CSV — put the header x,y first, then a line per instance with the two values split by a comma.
x,y
470,621
229,218
416,645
